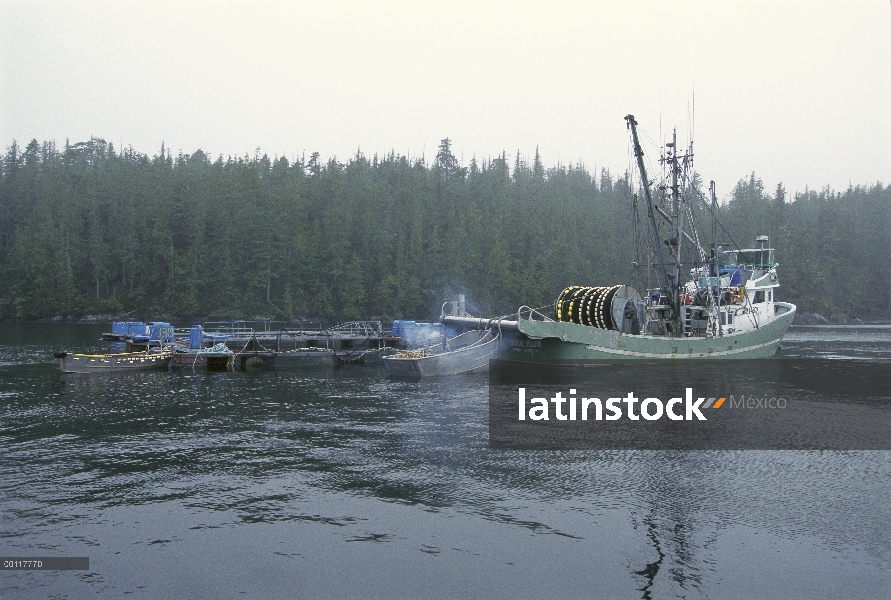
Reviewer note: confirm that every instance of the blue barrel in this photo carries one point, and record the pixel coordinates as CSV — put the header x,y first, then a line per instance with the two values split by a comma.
x,y
195,336
397,328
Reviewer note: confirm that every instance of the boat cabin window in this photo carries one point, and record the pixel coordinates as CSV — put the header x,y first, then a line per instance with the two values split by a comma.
x,y
726,318
763,259
770,295
759,297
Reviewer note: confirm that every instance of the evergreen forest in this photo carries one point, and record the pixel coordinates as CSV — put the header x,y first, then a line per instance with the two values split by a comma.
x,y
87,229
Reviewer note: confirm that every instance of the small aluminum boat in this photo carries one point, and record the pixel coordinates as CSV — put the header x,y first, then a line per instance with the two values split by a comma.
x,y
100,363
468,352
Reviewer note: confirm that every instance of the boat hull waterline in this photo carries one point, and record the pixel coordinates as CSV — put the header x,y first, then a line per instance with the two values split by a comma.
x,y
550,341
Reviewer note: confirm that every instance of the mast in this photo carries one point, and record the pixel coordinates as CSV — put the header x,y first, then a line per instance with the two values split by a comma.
x,y
711,188
638,153
677,219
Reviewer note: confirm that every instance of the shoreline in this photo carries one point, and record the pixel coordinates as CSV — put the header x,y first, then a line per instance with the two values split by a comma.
x,y
800,319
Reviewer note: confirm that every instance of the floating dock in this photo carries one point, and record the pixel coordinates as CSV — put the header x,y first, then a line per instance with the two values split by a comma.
x,y
354,336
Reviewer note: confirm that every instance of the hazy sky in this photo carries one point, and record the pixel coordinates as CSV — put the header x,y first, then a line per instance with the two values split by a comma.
x,y
799,92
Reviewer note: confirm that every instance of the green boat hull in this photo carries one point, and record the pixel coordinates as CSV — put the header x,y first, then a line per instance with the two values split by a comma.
x,y
555,342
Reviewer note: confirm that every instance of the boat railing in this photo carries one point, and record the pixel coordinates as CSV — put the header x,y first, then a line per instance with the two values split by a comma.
x,y
529,314
238,328
228,327
359,328
443,347
303,328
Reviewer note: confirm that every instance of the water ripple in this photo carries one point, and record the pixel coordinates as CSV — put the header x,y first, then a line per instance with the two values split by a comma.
x,y
398,464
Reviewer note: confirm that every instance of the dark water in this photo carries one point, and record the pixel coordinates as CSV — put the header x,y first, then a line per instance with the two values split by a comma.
x,y
309,481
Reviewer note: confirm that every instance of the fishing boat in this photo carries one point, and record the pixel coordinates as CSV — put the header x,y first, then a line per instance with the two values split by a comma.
x,y
465,353
102,363
707,302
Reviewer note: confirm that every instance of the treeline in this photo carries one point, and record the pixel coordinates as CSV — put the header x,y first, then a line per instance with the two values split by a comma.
x,y
86,229
832,246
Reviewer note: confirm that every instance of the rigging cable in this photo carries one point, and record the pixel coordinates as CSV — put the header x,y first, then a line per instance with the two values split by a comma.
x,y
721,225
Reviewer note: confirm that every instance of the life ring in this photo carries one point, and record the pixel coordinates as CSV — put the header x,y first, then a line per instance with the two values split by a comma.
x,y
736,294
